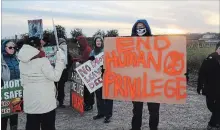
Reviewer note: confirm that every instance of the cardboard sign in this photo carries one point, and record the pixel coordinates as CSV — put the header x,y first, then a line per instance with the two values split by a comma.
x,y
146,69
11,98
51,52
77,92
35,28
91,74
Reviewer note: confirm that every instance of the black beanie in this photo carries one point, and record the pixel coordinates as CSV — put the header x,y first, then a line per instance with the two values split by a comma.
x,y
34,41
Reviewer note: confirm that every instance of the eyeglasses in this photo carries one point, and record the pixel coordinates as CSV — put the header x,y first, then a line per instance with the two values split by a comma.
x,y
10,47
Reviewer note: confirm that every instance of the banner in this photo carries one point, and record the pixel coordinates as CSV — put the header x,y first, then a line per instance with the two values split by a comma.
x,y
35,28
50,52
91,74
146,69
11,98
77,93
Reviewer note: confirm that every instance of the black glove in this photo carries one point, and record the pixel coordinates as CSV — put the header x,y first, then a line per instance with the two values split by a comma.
x,y
91,58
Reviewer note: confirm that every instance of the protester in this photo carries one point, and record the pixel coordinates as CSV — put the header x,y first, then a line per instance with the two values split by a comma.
x,y
141,28
104,106
10,71
209,84
37,78
64,77
85,49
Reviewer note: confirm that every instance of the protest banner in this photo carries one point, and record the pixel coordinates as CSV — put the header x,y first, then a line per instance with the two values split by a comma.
x,y
35,28
91,74
50,52
146,69
77,93
11,98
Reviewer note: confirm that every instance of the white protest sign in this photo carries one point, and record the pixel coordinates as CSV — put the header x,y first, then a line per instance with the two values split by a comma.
x,y
91,74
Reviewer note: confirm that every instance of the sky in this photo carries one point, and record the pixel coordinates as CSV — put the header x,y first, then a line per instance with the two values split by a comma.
x,y
164,17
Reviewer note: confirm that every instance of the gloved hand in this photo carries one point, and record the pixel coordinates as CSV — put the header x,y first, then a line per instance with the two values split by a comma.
x,y
60,55
91,58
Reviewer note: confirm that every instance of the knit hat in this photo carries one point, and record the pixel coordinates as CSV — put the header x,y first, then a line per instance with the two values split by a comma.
x,y
98,36
34,41
61,40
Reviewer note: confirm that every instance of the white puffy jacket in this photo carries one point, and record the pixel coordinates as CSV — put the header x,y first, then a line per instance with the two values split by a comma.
x,y
37,78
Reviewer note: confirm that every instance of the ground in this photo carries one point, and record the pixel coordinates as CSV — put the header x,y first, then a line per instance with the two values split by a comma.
x,y
193,115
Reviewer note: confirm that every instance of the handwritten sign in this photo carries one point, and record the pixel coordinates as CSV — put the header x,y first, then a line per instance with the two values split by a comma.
x,y
77,92
91,74
50,52
147,69
35,28
11,98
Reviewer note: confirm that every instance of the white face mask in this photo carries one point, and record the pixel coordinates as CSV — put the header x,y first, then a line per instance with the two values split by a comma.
x,y
141,31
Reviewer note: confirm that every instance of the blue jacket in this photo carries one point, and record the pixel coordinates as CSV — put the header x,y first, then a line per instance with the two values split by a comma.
x,y
9,64
134,33
93,53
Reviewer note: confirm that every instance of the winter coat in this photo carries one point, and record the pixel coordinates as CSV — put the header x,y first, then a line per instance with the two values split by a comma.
x,y
209,76
85,48
9,64
37,78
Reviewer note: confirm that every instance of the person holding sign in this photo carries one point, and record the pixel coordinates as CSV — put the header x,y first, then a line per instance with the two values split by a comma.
x,y
9,71
38,77
64,77
141,28
104,106
85,50
209,84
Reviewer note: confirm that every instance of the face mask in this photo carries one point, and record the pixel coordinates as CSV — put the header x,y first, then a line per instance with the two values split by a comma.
x,y
141,31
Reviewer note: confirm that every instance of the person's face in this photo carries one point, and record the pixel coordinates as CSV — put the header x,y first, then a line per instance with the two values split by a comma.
x,y
141,29
140,26
218,50
98,42
10,48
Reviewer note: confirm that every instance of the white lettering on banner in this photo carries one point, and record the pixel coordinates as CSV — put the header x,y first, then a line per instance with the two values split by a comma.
x,y
78,88
11,84
12,94
6,111
90,73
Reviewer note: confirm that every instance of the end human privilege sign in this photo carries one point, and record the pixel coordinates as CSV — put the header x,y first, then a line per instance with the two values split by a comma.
x,y
146,69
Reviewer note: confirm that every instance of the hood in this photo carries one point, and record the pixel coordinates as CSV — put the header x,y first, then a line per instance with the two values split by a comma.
x,y
83,42
62,41
27,52
3,47
133,33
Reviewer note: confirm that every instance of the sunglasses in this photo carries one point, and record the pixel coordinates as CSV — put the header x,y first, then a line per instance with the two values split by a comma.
x,y
10,47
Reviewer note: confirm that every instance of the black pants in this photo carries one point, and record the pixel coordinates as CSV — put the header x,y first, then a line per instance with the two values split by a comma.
x,y
104,106
60,88
13,122
137,115
214,107
44,121
88,97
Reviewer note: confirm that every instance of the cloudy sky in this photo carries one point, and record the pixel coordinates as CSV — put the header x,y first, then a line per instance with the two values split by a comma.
x,y
163,17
